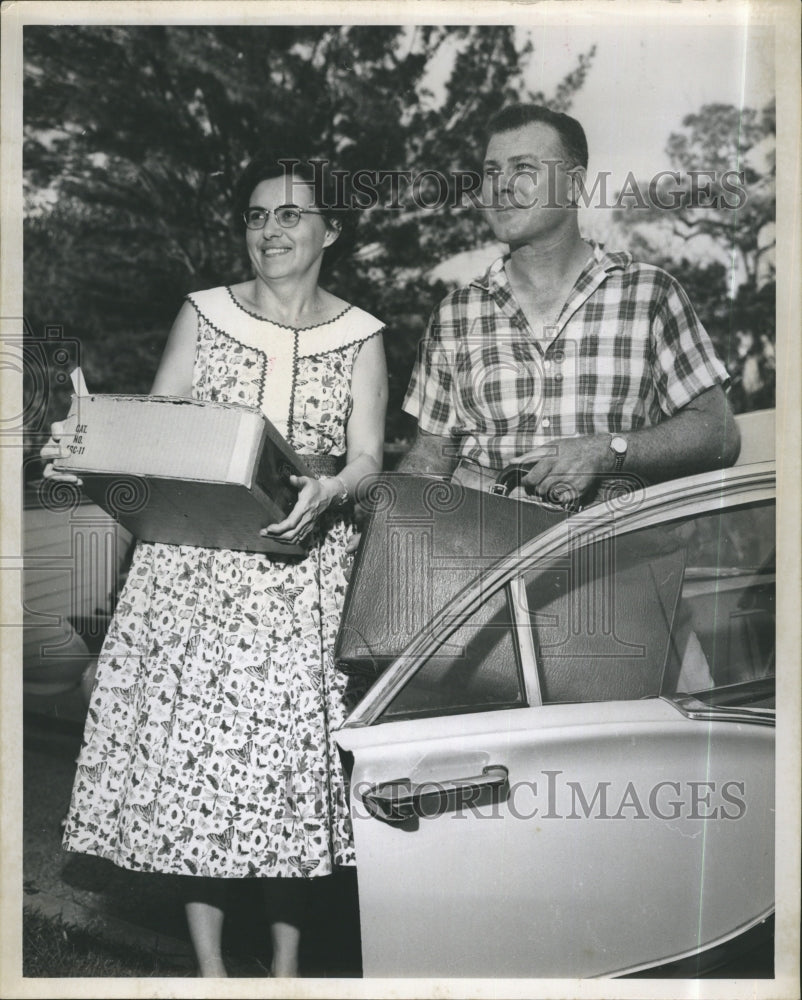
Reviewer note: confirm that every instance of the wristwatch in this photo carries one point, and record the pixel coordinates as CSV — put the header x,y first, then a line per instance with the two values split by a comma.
x,y
618,446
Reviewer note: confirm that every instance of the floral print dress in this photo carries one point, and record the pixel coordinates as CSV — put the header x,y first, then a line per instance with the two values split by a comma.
x,y
207,747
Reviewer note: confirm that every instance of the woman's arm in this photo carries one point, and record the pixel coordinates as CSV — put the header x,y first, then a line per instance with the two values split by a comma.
x,y
174,374
365,430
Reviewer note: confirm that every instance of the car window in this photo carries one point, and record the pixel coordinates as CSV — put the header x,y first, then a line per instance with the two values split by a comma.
x,y
601,616
681,607
475,669
727,616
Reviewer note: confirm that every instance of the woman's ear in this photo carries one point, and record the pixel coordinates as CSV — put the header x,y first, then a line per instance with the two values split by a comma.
x,y
333,228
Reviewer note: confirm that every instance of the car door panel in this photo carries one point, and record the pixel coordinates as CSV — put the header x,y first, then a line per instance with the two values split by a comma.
x,y
617,842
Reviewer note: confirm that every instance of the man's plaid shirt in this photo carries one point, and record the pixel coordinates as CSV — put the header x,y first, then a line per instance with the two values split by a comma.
x,y
628,350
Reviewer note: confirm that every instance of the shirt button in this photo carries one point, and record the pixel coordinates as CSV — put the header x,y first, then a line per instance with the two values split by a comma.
x,y
545,422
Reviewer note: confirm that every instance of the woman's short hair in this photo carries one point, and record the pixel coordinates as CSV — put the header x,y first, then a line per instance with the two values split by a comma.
x,y
317,174
571,133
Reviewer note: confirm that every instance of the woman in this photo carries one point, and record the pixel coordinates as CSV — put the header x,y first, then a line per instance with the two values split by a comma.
x,y
207,749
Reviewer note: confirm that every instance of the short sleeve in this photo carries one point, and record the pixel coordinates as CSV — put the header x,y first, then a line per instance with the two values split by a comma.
x,y
684,361
429,395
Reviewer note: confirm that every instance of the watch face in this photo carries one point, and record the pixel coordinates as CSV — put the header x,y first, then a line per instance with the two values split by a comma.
x,y
619,445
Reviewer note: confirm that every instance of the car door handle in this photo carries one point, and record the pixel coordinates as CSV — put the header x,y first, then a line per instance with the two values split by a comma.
x,y
401,800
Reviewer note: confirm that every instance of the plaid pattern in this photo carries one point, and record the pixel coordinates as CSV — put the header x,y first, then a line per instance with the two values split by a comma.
x,y
628,350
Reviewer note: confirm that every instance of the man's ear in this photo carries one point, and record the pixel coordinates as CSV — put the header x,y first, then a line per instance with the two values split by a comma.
x,y
578,176
333,229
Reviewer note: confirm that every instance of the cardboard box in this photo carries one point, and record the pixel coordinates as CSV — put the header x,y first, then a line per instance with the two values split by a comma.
x,y
183,471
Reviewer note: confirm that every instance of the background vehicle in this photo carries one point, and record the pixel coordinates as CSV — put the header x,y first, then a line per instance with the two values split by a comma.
x,y
75,555
570,771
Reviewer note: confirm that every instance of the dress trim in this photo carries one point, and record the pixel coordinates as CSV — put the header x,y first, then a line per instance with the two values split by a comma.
x,y
259,350
351,327
283,326
248,347
351,343
293,387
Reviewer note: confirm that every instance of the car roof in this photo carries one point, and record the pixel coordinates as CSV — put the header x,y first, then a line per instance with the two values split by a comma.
x,y
757,436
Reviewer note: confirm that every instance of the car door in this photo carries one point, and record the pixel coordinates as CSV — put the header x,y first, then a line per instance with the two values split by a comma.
x,y
571,772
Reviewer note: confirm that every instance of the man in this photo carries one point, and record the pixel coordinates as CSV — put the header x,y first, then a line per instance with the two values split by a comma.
x,y
584,362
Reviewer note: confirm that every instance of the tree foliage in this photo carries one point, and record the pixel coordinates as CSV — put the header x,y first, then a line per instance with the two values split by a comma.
x,y
721,138
134,137
736,302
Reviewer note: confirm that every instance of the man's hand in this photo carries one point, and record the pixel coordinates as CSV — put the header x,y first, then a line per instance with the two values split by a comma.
x,y
568,469
702,435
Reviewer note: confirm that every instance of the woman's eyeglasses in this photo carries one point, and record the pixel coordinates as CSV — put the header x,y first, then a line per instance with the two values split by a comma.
x,y
286,216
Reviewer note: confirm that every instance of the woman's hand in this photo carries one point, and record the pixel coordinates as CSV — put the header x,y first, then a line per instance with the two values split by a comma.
x,y
315,496
55,449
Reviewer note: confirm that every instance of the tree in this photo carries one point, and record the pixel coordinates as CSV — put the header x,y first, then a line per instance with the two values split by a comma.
x,y
134,137
721,139
725,160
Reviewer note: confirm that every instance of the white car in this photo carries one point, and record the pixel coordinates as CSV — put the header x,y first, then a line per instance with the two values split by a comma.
x,y
74,559
569,770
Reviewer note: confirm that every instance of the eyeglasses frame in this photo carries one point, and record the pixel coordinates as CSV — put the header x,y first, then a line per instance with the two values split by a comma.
x,y
272,211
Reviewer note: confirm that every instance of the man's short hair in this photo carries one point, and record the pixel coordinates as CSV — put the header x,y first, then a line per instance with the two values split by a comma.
x,y
571,133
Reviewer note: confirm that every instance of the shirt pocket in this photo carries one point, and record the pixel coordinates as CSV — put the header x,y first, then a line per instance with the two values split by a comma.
x,y
498,386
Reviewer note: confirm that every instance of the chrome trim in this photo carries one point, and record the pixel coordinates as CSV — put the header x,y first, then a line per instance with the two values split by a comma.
x,y
693,708
691,952
657,504
526,642
753,716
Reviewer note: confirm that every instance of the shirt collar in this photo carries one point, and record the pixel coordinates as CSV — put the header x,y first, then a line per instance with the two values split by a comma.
x,y
496,277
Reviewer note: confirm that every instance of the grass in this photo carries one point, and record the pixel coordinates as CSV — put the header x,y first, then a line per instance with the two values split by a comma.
x,y
52,948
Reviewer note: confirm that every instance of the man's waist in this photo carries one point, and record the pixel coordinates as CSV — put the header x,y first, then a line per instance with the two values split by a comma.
x,y
474,476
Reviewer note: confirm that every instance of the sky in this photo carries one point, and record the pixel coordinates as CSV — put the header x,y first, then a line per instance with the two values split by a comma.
x,y
646,77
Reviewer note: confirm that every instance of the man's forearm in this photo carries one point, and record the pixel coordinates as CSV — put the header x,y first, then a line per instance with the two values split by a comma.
x,y
701,436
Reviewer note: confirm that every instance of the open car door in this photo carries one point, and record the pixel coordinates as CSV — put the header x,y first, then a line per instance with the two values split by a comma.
x,y
570,771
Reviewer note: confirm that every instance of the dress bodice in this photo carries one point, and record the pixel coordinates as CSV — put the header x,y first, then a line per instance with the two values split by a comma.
x,y
300,378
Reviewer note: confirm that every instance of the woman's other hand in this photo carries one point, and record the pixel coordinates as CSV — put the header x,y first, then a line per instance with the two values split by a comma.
x,y
55,449
315,496
353,543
